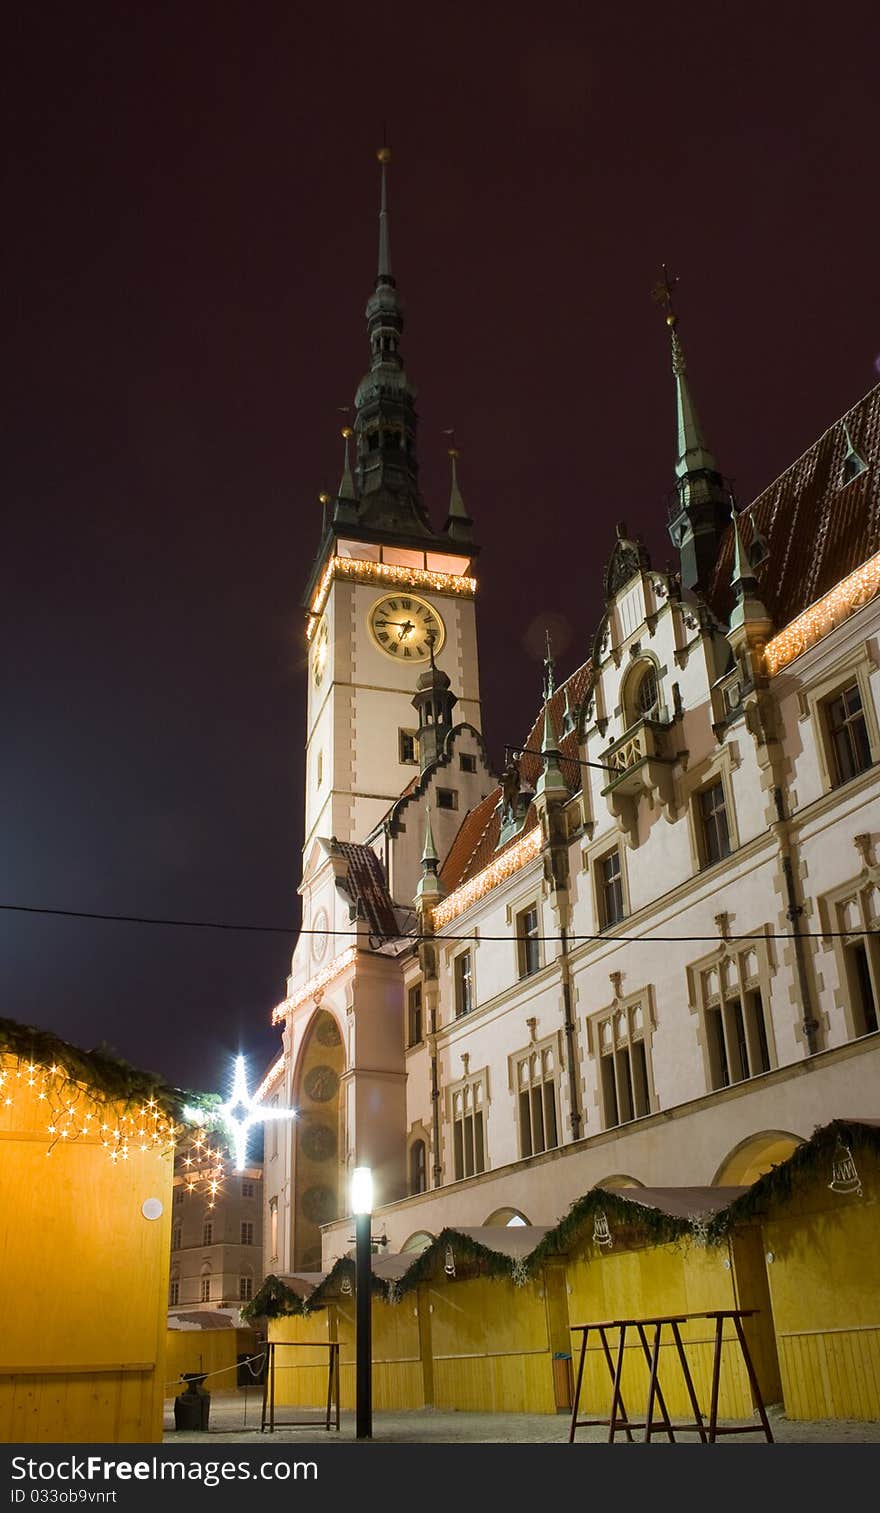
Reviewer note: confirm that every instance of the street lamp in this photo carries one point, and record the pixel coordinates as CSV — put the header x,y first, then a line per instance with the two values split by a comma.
x,y
362,1208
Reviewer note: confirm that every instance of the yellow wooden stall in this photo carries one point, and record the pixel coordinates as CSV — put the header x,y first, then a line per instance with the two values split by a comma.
x,y
397,1340
492,1338
84,1263
629,1271
821,1248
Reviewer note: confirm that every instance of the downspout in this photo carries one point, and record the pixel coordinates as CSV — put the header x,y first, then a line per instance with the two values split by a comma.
x,y
570,1041
793,912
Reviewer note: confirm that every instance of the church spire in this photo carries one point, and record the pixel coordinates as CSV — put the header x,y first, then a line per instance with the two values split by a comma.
x,y
551,782
429,889
384,271
458,522
698,516
749,609
385,414
346,486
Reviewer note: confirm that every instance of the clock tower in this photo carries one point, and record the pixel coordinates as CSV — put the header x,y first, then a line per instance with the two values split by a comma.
x,y
386,592
391,647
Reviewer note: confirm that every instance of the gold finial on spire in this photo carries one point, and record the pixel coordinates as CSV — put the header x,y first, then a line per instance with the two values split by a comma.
x,y
662,293
451,450
323,498
384,155
347,432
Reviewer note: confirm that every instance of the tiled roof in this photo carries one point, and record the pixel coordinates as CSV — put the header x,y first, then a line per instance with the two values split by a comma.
x,y
818,526
367,888
476,843
479,828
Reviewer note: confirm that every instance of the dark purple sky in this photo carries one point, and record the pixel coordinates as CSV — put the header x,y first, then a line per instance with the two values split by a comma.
x,y
190,212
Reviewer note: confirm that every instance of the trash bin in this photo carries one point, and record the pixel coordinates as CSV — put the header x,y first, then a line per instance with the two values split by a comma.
x,y
193,1405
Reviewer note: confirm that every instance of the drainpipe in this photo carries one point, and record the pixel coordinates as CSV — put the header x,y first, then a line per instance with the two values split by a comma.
x,y
570,1042
793,912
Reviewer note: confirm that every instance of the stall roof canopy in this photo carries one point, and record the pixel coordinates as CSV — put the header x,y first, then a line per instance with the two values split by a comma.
x,y
658,1214
680,1202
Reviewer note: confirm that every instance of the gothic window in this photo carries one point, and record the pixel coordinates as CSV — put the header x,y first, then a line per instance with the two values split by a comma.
x,y
464,984
535,1074
418,1167
528,944
624,1065
414,1015
245,1289
467,1100
205,1285
734,1016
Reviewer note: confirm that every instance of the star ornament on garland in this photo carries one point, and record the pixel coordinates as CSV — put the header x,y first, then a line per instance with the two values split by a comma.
x,y
240,1113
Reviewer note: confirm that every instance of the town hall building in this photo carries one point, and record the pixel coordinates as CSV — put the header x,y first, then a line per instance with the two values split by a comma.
x,y
645,953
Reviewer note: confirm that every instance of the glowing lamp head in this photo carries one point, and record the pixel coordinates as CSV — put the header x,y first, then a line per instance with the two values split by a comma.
x,y
362,1190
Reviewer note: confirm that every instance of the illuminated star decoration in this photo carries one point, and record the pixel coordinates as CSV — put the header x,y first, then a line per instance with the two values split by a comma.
x,y
240,1113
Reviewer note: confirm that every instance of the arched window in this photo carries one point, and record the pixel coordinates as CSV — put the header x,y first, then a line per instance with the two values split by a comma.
x,y
205,1285
511,1218
641,694
646,693
417,1242
418,1167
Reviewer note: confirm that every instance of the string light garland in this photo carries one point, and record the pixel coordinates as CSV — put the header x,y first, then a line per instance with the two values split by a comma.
x,y
70,1111
315,984
820,618
269,1080
359,571
516,856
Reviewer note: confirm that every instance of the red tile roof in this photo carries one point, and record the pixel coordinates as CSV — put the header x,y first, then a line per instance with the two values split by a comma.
x,y
818,526
476,843
367,888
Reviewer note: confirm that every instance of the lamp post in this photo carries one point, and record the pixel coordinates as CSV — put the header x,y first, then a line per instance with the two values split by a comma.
x,y
362,1208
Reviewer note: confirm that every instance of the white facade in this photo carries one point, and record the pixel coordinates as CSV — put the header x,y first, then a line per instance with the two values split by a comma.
x,y
655,963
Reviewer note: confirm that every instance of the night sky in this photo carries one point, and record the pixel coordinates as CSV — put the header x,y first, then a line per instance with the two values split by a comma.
x,y
190,201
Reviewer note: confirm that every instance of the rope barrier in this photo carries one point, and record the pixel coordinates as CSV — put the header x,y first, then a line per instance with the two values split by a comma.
x,y
221,1370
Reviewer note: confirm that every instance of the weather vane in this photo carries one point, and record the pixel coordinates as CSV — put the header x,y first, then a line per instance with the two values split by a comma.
x,y
662,293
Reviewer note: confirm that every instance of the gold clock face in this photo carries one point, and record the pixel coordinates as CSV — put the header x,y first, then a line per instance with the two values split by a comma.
x,y
402,626
319,652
